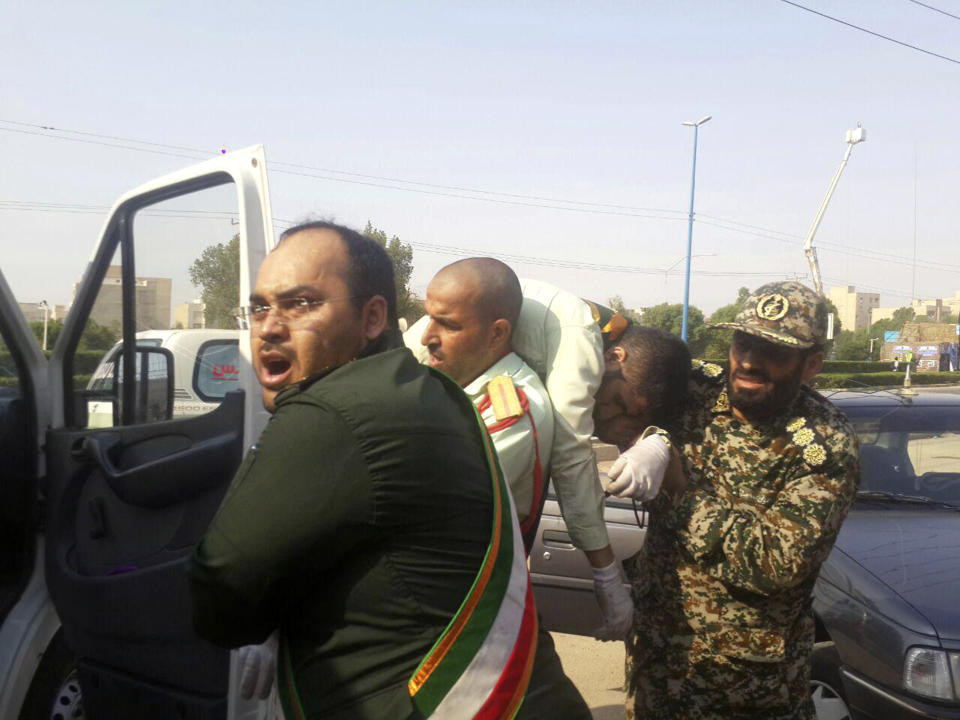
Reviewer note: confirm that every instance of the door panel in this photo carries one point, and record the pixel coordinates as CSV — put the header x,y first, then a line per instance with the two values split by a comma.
x,y
116,568
127,503
562,578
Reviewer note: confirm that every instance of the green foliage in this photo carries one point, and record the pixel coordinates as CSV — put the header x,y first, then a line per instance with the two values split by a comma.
x,y
97,337
669,317
616,304
716,343
856,366
854,345
53,331
217,274
902,315
401,255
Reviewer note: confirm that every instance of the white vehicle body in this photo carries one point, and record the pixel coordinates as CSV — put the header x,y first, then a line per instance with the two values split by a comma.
x,y
206,366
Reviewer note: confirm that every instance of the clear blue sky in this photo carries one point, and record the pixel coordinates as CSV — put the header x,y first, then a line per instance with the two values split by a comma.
x,y
577,101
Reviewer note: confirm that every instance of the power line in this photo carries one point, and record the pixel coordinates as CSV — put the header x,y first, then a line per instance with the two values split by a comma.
x,y
871,32
725,223
931,7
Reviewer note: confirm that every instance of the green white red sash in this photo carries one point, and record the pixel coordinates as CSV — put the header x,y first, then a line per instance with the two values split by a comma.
x,y
480,666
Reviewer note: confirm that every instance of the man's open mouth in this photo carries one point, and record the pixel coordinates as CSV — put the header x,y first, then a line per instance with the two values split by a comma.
x,y
274,369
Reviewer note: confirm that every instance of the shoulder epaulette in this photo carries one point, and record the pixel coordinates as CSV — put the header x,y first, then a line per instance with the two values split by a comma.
x,y
503,398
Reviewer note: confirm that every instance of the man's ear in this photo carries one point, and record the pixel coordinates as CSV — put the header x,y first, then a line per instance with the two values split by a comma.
x,y
812,365
614,358
500,333
374,317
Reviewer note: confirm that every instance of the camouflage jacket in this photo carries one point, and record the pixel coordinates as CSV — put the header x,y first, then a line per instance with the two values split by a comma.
x,y
732,560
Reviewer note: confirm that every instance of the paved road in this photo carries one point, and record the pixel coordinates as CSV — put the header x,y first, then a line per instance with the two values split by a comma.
x,y
596,668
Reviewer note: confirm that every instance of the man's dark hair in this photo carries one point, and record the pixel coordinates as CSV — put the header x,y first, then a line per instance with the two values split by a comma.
x,y
658,367
369,271
500,293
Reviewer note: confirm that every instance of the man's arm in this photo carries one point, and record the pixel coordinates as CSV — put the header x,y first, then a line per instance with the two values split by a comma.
x,y
300,505
767,550
574,371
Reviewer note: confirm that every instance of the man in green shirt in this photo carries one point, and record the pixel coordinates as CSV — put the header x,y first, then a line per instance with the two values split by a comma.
x,y
364,523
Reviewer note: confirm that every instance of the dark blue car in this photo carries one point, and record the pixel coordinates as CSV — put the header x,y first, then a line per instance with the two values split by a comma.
x,y
888,599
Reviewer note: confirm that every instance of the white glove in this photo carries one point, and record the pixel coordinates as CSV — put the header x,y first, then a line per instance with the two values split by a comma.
x,y
615,602
639,471
258,665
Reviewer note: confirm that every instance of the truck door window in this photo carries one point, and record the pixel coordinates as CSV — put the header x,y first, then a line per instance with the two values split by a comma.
x,y
185,257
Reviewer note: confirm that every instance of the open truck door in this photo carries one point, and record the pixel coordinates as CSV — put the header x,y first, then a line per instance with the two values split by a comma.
x,y
126,504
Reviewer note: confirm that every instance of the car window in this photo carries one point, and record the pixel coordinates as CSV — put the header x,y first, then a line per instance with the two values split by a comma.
x,y
909,450
216,370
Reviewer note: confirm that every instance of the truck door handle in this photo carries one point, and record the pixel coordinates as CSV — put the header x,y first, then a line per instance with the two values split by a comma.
x,y
557,539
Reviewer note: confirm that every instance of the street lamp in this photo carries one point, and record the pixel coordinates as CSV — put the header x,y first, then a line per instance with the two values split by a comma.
x,y
693,181
46,319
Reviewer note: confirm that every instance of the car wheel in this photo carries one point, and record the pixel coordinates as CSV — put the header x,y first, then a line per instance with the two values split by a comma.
x,y
826,687
55,693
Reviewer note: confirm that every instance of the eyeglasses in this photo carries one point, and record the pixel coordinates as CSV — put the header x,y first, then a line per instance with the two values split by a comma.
x,y
286,310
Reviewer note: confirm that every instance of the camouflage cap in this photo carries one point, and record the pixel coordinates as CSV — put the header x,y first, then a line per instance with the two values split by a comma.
x,y
785,313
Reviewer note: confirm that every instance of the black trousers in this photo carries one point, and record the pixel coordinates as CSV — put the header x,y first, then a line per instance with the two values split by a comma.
x,y
551,695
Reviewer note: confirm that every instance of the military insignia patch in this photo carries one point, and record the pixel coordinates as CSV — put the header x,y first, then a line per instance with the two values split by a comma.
x,y
814,454
772,307
503,398
796,424
711,369
803,437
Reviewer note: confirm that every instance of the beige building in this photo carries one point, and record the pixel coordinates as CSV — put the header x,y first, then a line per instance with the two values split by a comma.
x,y
853,308
189,315
33,312
938,309
152,301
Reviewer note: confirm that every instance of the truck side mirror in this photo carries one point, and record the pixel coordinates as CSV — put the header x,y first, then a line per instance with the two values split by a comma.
x,y
153,373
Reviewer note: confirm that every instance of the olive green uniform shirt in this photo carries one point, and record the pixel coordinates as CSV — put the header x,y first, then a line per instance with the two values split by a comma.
x,y
356,525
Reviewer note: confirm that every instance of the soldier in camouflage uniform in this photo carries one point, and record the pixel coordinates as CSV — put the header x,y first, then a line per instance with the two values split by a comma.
x,y
722,586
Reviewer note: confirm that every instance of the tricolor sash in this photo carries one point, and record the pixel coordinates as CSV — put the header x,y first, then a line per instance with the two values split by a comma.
x,y
480,666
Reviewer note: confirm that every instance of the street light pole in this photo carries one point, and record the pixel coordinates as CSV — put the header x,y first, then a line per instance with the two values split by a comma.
x,y
46,319
693,183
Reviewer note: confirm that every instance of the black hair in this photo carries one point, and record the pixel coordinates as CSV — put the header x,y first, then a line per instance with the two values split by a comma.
x,y
658,366
369,269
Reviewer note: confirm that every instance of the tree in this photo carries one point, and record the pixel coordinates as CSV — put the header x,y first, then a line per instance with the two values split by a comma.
x,y
853,345
409,306
217,274
716,343
669,317
616,304
98,337
53,331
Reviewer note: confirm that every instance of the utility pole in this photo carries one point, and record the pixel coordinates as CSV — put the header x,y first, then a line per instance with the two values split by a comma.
x,y
852,138
46,320
693,183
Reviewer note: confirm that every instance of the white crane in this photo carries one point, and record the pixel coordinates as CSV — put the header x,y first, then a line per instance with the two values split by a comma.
x,y
852,138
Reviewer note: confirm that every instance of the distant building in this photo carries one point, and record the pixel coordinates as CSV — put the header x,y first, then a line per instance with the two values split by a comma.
x,y
938,310
853,308
152,301
33,312
189,315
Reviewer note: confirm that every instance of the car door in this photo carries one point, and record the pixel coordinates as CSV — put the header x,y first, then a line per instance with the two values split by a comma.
x,y
126,504
562,577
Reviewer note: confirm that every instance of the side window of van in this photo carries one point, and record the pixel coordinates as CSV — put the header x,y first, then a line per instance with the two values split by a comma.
x,y
170,288
217,369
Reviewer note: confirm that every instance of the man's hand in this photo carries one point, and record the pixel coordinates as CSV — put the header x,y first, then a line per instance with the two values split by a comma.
x,y
638,472
615,602
258,665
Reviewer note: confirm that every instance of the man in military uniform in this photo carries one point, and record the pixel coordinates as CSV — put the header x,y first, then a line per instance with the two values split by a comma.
x,y
594,371
370,523
472,307
722,585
